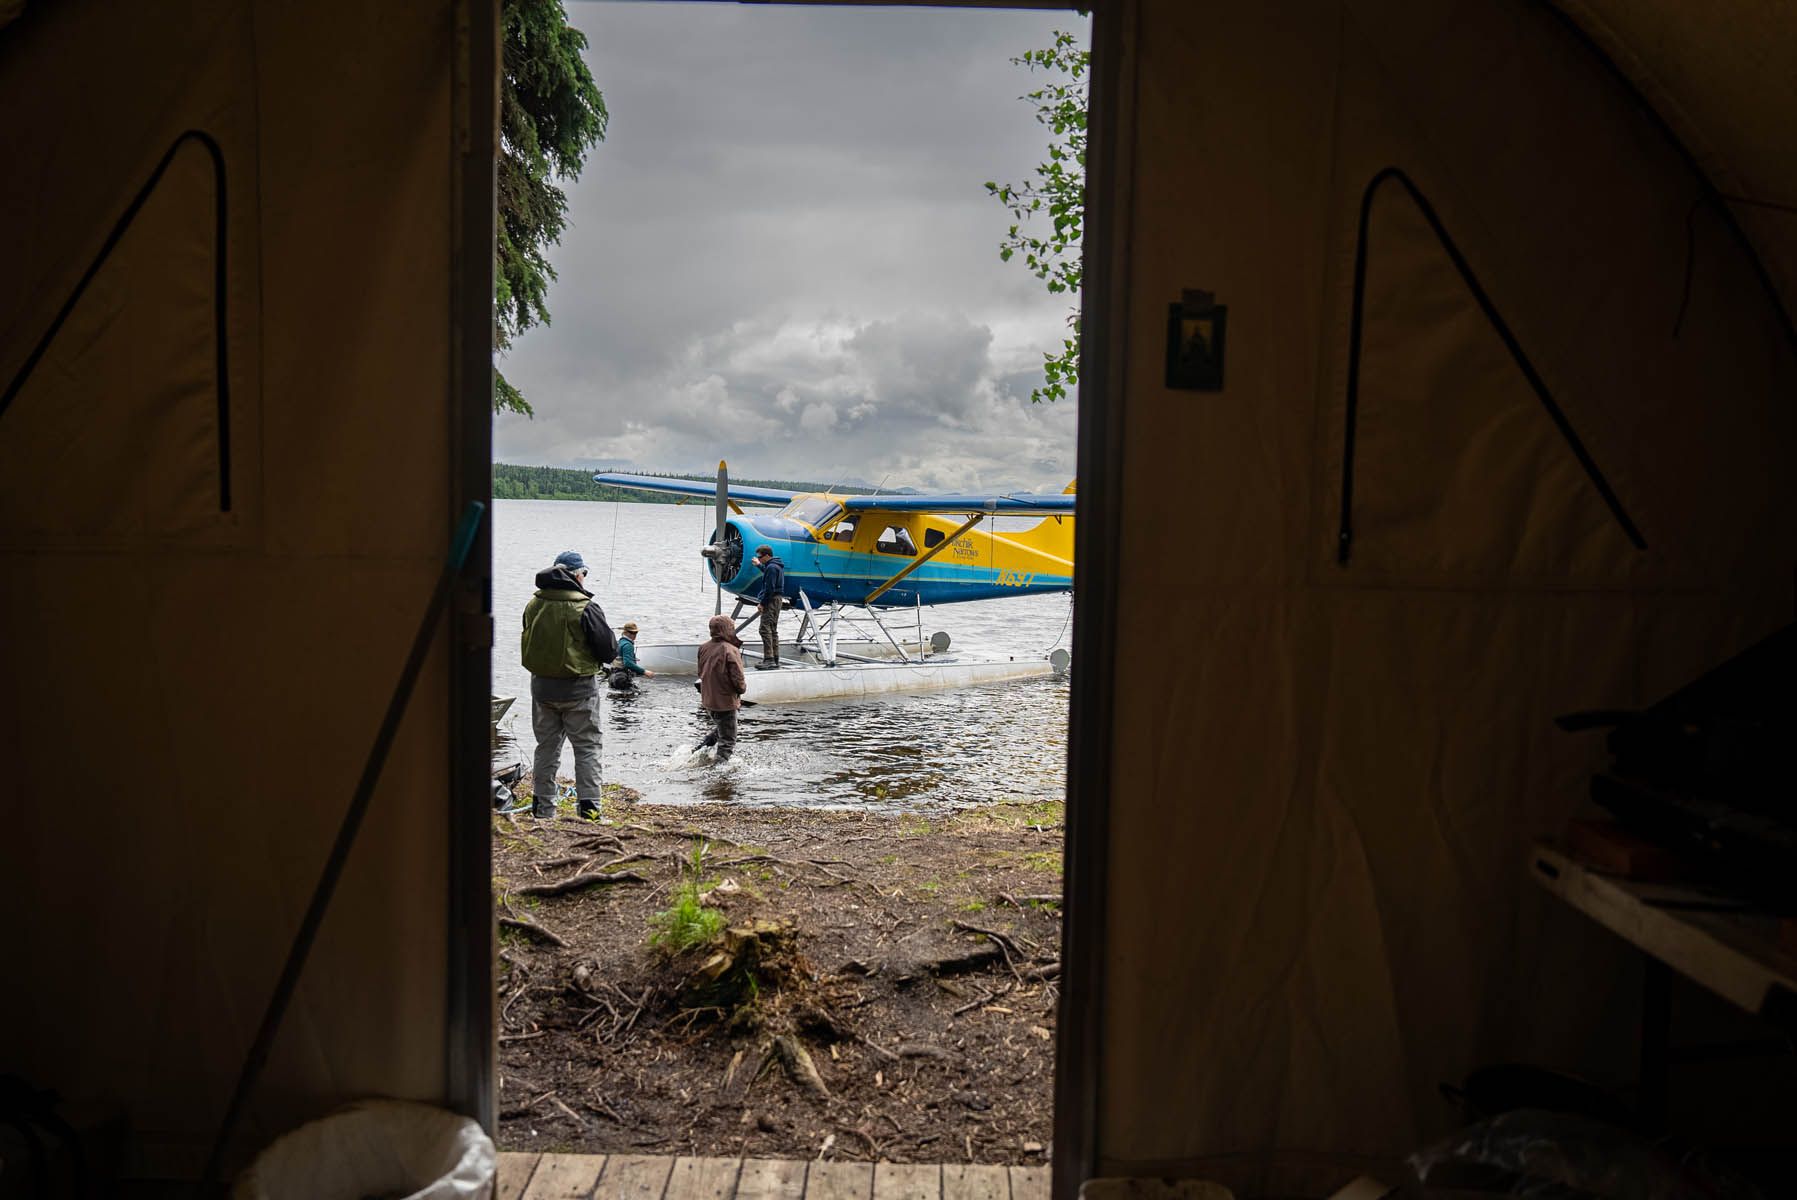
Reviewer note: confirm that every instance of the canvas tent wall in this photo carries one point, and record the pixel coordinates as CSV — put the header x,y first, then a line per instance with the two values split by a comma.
x,y
1506,431
237,431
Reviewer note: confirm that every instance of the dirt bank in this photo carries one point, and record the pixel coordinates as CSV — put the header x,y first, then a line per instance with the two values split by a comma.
x,y
880,987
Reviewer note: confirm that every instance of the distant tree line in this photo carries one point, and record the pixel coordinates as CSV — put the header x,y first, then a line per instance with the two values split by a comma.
x,y
561,483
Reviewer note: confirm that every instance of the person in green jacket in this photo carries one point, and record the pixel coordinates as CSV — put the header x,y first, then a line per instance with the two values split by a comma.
x,y
564,644
623,674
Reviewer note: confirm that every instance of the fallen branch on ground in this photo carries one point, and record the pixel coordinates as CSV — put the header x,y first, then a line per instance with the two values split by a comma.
x,y
511,1113
1006,946
1003,939
985,998
603,1109
1017,902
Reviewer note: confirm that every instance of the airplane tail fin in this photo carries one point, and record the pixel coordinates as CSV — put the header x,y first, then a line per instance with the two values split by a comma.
x,y
1050,535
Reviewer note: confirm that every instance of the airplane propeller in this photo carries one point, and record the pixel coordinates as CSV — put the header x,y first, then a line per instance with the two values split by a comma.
x,y
723,562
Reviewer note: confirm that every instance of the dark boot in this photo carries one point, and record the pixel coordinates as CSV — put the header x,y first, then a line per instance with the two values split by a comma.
x,y
542,808
590,812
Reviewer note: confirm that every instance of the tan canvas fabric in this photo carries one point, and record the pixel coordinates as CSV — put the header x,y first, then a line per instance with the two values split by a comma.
x,y
192,692
1318,911
1720,76
82,457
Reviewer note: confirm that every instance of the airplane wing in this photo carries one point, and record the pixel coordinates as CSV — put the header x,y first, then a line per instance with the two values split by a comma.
x,y
704,489
1018,504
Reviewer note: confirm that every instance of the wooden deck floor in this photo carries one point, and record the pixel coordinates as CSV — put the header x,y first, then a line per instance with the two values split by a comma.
x,y
650,1177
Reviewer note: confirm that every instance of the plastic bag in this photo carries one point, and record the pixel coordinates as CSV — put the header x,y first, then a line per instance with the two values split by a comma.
x,y
377,1148
1539,1154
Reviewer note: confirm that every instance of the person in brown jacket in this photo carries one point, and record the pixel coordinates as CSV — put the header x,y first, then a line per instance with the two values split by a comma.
x,y
722,684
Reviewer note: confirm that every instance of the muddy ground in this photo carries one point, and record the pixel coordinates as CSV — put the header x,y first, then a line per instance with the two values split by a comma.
x,y
883,986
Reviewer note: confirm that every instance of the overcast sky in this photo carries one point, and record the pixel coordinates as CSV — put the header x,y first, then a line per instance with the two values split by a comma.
x,y
783,254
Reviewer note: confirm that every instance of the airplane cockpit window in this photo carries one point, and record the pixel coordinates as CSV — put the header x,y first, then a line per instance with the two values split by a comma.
x,y
812,510
895,540
845,532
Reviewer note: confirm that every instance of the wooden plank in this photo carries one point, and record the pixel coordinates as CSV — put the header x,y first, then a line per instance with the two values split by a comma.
x,y
1029,1183
908,1181
703,1178
514,1173
970,1182
1736,955
770,1179
841,1181
634,1177
565,1177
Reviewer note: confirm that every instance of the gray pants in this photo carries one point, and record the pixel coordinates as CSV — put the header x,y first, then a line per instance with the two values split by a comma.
x,y
723,732
578,722
770,631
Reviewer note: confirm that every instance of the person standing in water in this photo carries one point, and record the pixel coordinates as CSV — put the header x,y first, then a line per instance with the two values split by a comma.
x,y
623,676
564,643
721,685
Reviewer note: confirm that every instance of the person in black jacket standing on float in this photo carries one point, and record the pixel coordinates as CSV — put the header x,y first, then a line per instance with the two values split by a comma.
x,y
773,595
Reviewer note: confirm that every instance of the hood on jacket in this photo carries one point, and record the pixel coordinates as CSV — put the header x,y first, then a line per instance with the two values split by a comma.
x,y
559,579
722,630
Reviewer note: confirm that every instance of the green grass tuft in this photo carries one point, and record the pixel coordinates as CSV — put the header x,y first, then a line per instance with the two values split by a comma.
x,y
688,924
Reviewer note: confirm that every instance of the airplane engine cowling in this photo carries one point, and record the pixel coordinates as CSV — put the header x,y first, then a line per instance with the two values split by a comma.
x,y
730,566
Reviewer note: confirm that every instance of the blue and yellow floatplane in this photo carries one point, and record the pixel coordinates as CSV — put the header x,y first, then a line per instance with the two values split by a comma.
x,y
876,552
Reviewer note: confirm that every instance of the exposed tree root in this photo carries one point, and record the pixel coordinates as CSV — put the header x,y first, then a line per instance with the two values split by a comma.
x,y
575,882
798,1064
534,930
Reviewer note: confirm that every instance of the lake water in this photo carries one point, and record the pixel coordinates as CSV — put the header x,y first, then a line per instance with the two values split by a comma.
x,y
923,752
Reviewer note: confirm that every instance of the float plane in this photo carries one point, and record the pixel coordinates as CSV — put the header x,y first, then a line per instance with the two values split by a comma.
x,y
890,551
872,553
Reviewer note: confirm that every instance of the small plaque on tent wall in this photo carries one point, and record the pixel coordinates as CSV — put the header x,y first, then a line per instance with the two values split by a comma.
x,y
1195,336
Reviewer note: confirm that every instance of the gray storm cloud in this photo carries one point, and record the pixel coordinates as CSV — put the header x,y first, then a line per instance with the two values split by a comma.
x,y
783,254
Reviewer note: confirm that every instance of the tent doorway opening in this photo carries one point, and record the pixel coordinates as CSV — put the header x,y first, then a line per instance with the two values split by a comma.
x,y
842,943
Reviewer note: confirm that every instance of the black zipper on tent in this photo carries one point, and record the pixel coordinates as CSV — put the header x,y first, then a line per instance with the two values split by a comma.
x,y
219,285
1345,535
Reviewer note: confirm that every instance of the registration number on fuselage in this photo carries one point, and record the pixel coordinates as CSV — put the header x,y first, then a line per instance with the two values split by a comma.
x,y
1016,578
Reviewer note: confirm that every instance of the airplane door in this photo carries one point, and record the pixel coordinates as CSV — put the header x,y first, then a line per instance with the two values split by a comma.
x,y
833,558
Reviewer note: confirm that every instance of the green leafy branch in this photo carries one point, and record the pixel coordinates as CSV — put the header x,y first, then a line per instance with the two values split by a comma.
x,y
1058,192
550,114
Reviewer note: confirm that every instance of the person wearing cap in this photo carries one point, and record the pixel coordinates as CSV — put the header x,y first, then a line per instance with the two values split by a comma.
x,y
624,673
721,684
564,644
772,596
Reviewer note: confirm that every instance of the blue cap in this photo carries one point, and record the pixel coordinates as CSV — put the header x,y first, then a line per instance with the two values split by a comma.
x,y
571,559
